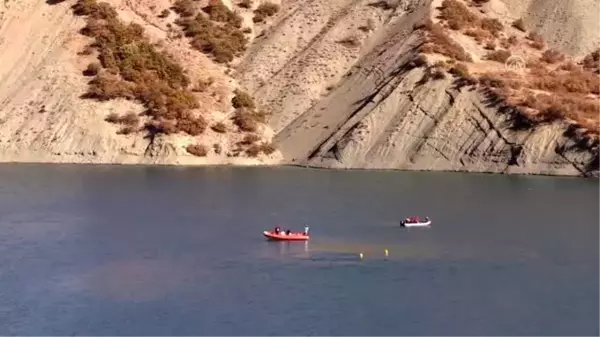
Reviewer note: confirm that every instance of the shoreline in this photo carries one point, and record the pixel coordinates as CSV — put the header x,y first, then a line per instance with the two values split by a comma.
x,y
281,165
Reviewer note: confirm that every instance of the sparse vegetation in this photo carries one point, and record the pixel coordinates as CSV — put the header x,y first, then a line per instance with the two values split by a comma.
x,y
134,69
590,62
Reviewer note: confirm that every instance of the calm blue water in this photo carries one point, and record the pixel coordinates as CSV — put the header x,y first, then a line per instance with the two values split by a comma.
x,y
110,250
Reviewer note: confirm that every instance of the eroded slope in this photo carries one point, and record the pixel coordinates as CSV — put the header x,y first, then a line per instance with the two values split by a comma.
x,y
378,108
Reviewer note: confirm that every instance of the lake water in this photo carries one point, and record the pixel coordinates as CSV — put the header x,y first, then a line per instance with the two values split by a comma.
x,y
113,250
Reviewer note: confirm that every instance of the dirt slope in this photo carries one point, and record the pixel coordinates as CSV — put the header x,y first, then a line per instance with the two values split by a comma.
x,y
337,77
43,118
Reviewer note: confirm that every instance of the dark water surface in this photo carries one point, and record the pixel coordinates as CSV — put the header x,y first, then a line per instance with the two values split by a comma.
x,y
110,250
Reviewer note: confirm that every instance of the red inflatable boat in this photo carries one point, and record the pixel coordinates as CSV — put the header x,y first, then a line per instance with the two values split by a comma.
x,y
286,237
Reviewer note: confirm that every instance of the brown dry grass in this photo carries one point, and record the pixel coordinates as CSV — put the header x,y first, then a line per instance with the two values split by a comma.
x,y
498,55
460,17
437,41
132,68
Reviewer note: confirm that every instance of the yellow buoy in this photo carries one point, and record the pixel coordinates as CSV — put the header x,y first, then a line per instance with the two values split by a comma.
x,y
386,253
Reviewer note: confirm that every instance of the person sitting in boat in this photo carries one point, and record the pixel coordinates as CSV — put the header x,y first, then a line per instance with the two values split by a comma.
x,y
277,230
288,232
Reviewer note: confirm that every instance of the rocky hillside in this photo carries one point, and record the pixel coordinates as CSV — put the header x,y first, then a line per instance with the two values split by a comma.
x,y
466,85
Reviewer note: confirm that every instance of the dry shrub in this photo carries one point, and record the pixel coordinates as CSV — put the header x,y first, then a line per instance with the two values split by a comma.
x,y
219,127
126,130
480,2
460,70
256,149
459,17
197,150
267,148
478,34
92,69
419,61
490,45
498,55
493,26
135,69
590,62
264,10
161,125
250,139
439,42
185,8
245,4
568,66
217,148
537,41
552,56
223,42
192,126
248,120
242,100
350,41
577,81
492,81
165,13
202,85
438,74
520,25
218,12
267,9
253,150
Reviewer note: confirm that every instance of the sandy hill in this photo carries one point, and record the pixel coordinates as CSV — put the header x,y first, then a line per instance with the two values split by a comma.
x,y
467,85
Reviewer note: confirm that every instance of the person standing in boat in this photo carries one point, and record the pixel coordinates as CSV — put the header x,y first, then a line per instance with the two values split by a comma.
x,y
305,230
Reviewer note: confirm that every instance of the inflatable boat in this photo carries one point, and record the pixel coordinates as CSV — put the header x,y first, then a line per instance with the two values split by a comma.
x,y
282,236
